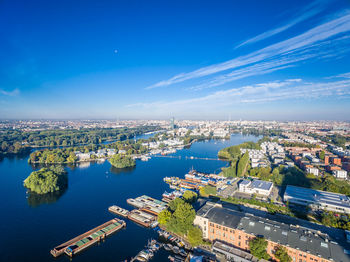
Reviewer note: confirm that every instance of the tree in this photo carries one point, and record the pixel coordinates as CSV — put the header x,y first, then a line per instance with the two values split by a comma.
x,y
282,255
242,164
182,218
175,203
47,180
122,161
195,236
164,217
189,196
72,158
257,247
321,155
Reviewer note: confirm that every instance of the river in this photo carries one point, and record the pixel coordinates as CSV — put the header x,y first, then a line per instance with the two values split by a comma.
x,y
32,226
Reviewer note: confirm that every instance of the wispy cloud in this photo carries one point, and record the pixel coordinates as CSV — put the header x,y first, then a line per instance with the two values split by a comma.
x,y
264,92
318,42
14,92
304,14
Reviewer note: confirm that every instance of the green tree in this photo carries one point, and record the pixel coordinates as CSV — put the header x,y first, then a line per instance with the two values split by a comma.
x,y
164,217
195,236
282,255
122,161
47,180
321,155
175,203
189,196
257,247
243,164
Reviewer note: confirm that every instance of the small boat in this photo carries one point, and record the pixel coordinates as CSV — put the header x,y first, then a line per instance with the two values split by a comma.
x,y
168,247
176,249
183,252
171,258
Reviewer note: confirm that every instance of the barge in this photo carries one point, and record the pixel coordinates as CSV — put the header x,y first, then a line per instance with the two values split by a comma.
x,y
141,217
118,211
87,239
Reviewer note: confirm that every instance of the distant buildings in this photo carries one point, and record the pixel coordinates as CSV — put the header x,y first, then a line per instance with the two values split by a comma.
x,y
312,170
342,174
303,242
258,187
317,199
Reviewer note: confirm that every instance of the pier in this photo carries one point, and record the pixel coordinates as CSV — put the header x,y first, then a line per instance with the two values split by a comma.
x,y
87,239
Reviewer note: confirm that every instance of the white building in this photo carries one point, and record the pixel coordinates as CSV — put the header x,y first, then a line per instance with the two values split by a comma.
x,y
340,174
313,170
317,199
255,187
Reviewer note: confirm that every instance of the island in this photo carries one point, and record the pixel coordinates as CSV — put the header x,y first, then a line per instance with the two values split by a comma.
x,y
47,180
122,161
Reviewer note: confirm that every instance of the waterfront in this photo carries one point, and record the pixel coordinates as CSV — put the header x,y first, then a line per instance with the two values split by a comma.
x,y
31,227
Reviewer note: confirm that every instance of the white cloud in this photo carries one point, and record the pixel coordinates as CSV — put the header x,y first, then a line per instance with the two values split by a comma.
x,y
308,12
14,92
318,42
258,93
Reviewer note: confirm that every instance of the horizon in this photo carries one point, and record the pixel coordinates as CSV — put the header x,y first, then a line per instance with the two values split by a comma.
x,y
192,60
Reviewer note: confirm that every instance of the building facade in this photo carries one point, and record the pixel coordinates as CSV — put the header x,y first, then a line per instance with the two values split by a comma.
x,y
303,244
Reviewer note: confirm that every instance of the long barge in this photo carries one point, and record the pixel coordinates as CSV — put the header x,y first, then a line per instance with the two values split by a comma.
x,y
87,239
118,211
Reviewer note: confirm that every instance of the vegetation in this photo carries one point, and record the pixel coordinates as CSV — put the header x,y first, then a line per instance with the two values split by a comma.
x,y
332,219
282,255
178,218
67,155
271,207
190,196
194,236
239,164
207,191
122,161
257,247
47,180
298,144
17,141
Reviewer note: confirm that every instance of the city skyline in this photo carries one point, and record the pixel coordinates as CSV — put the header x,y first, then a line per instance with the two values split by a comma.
x,y
276,60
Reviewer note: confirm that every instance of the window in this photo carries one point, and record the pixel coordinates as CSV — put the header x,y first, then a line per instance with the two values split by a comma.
x,y
239,237
324,244
239,243
267,228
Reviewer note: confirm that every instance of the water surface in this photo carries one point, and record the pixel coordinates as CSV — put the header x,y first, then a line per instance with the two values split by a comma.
x,y
32,226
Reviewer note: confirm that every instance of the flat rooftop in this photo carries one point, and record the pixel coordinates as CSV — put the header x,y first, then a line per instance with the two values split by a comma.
x,y
317,196
313,240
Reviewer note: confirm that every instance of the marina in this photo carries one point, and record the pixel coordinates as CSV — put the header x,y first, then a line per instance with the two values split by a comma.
x,y
89,238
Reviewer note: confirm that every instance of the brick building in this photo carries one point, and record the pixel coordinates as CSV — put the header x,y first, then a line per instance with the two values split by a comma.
x,y
304,244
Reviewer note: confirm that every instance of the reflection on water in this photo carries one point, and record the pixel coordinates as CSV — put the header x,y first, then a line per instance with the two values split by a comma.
x,y
35,200
117,171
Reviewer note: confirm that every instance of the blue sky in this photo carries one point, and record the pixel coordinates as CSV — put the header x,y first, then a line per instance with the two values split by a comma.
x,y
283,60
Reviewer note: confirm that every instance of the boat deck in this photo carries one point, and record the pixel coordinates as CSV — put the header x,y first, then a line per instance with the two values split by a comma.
x,y
85,240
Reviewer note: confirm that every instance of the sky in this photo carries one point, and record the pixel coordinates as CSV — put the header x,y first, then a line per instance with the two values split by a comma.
x,y
254,60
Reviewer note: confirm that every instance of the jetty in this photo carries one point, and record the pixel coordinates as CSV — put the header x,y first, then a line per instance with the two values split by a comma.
x,y
87,239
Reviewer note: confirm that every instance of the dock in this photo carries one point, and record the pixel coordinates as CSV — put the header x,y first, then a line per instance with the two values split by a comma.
x,y
87,239
118,211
